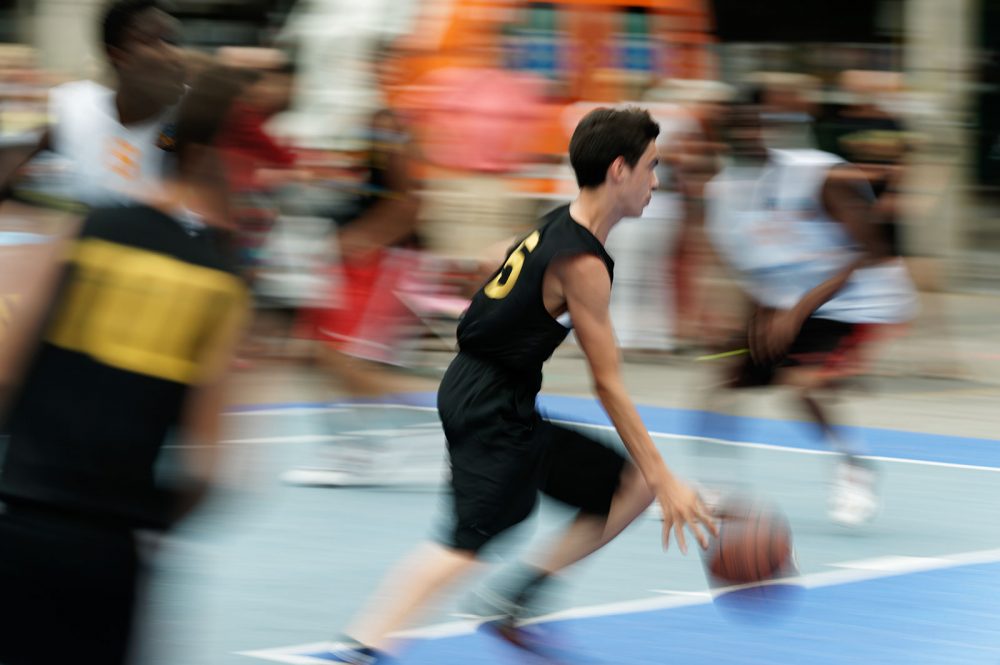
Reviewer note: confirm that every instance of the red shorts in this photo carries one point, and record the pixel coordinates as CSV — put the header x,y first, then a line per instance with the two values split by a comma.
x,y
368,318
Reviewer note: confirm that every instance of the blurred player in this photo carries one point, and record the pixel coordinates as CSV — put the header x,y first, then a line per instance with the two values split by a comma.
x,y
118,141
254,160
125,346
502,451
796,227
361,334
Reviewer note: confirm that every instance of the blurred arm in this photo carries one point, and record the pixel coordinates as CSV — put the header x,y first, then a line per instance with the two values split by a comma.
x,y
27,297
15,157
202,417
847,199
393,217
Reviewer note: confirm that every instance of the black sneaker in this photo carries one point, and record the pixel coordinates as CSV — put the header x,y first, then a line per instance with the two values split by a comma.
x,y
354,653
543,642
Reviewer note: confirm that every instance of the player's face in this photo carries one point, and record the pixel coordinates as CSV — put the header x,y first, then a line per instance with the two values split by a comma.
x,y
149,61
640,182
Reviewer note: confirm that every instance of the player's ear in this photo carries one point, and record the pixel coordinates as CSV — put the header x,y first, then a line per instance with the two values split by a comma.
x,y
617,170
116,56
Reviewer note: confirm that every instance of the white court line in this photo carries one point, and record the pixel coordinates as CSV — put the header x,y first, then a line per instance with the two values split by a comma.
x,y
682,437
286,411
851,572
300,438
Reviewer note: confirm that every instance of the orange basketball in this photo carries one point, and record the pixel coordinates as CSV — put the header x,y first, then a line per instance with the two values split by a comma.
x,y
754,545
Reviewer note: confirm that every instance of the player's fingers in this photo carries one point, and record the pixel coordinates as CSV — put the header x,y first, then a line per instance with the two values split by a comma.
x,y
667,525
679,536
699,535
705,517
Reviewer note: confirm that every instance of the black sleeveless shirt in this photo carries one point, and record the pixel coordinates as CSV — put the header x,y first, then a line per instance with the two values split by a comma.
x,y
507,323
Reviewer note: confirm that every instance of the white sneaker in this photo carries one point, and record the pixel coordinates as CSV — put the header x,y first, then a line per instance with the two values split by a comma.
x,y
853,497
316,477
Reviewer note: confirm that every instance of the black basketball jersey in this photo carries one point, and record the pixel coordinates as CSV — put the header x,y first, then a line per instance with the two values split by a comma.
x,y
507,323
142,314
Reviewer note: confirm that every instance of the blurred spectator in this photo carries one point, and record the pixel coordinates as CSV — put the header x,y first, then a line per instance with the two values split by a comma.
x,y
362,331
92,393
118,141
865,133
788,103
254,160
475,125
795,227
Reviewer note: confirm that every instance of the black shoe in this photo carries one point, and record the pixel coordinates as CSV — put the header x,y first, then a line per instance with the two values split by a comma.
x,y
544,643
354,653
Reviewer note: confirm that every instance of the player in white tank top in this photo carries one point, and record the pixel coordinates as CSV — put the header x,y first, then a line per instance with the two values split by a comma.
x,y
770,224
795,227
119,141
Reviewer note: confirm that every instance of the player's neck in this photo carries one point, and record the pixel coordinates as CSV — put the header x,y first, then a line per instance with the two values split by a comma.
x,y
593,210
134,108
175,197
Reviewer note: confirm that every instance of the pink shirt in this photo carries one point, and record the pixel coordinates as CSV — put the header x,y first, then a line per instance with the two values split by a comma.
x,y
477,119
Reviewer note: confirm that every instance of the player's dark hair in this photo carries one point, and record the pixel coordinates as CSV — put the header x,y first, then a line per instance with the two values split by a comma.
x,y
603,136
118,17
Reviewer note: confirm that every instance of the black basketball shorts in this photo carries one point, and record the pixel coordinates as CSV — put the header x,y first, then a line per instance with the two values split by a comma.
x,y
503,454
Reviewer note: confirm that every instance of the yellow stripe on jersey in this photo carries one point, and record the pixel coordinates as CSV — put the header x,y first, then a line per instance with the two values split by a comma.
x,y
145,312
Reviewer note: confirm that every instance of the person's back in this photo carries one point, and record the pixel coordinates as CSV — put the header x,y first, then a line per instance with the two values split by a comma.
x,y
506,323
140,318
127,349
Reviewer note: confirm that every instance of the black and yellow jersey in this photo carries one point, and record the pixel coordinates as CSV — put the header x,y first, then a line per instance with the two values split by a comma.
x,y
145,311
507,323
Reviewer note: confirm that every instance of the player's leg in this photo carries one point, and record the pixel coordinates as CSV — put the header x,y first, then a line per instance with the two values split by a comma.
x,y
609,493
494,487
87,599
404,593
357,338
589,532
822,355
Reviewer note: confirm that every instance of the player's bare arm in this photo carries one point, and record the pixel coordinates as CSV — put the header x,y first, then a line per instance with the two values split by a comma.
x,y
33,294
12,159
584,287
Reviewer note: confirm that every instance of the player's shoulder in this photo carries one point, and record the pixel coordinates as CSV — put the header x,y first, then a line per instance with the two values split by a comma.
x,y
80,90
582,268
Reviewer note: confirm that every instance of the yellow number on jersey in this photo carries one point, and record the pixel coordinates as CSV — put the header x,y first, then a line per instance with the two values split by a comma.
x,y
501,285
146,312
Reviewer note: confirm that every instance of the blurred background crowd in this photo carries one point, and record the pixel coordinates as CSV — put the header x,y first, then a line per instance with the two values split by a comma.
x,y
439,129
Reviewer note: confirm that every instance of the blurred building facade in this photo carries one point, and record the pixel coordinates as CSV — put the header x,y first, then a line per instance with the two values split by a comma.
x,y
612,50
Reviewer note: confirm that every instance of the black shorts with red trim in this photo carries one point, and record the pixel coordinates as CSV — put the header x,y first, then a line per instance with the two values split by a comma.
x,y
833,346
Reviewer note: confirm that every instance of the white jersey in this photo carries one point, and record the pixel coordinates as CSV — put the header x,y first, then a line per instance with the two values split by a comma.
x,y
770,226
110,163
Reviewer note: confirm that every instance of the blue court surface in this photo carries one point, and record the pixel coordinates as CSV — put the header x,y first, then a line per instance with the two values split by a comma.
x,y
272,572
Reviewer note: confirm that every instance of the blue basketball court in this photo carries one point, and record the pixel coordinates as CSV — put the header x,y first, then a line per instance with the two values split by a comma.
x,y
271,572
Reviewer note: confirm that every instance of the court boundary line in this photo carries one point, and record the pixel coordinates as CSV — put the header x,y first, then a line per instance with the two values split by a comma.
x,y
849,572
339,406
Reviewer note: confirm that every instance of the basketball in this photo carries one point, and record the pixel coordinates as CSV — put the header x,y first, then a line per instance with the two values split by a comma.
x,y
754,545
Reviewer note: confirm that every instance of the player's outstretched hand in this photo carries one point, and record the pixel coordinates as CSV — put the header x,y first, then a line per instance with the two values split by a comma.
x,y
771,333
682,507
